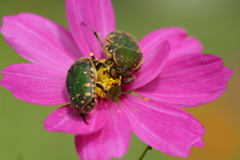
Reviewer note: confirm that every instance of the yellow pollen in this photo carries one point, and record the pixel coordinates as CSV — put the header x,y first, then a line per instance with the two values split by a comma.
x,y
103,60
146,99
105,80
92,55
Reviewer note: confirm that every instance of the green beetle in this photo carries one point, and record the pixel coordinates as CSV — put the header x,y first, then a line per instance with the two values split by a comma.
x,y
81,84
123,52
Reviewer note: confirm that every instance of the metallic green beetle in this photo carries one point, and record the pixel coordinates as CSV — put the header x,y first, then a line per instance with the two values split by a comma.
x,y
81,85
123,52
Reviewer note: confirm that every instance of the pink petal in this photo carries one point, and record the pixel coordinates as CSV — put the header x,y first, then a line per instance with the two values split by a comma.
x,y
35,84
166,128
177,37
98,14
40,41
151,66
67,119
189,80
199,142
111,141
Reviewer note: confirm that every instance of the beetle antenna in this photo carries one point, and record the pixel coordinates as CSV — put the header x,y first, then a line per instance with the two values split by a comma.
x,y
95,33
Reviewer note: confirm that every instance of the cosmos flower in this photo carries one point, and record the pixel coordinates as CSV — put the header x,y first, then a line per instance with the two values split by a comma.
x,y
174,75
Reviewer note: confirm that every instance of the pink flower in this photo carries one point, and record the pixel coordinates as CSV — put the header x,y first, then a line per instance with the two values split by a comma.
x,y
170,79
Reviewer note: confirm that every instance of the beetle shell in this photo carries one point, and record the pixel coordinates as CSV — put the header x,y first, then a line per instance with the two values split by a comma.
x,y
123,49
118,39
81,85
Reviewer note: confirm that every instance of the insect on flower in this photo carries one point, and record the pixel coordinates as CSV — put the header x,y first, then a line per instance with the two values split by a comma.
x,y
87,77
150,107
82,80
123,53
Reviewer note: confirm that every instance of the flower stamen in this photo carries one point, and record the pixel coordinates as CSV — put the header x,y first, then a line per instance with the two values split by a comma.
x,y
106,80
92,55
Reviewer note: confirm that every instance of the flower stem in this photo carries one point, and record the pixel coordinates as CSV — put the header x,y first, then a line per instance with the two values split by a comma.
x,y
145,151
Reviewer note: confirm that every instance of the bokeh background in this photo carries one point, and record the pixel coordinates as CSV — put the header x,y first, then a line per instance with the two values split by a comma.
x,y
217,25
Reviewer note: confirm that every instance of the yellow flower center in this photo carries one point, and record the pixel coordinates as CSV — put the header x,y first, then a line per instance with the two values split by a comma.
x,y
106,81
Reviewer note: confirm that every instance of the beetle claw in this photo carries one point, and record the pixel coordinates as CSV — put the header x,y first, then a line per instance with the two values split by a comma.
x,y
83,116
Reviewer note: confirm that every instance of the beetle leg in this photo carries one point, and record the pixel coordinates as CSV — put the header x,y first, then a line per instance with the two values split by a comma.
x,y
99,65
128,79
109,61
83,116
104,89
113,72
95,33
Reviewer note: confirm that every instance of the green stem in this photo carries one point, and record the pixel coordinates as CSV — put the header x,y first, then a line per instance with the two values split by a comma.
x,y
145,151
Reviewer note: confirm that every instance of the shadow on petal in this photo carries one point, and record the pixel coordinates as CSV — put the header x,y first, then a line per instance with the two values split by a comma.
x,y
67,119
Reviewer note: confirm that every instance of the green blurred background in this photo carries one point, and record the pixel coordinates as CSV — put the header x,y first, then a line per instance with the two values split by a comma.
x,y
216,23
